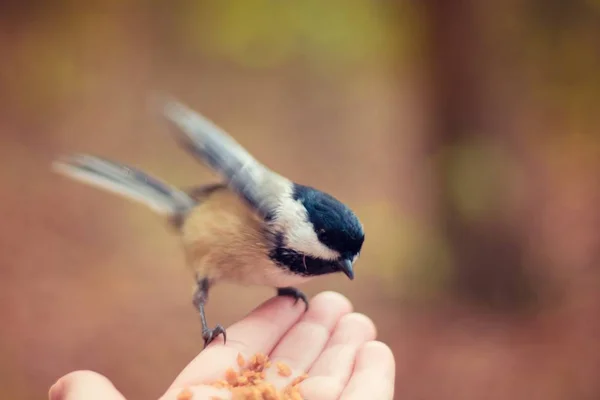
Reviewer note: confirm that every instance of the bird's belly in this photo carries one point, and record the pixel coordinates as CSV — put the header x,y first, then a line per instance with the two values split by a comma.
x,y
266,275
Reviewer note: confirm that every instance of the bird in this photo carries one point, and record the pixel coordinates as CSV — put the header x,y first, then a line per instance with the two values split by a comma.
x,y
253,227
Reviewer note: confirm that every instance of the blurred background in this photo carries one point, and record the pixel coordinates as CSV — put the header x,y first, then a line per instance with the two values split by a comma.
x,y
464,134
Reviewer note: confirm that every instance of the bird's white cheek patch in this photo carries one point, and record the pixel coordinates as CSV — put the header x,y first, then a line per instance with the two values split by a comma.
x,y
299,232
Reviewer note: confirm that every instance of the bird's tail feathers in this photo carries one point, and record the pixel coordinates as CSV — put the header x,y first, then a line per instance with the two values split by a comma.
x,y
125,181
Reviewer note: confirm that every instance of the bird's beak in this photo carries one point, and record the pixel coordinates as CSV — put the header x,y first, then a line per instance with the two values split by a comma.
x,y
346,267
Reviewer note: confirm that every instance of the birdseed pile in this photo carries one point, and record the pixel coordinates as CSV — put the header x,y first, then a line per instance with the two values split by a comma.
x,y
248,383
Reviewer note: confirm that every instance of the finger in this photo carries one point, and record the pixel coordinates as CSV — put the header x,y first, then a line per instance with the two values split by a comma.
x,y
373,375
197,392
337,360
330,373
258,332
84,385
321,388
301,346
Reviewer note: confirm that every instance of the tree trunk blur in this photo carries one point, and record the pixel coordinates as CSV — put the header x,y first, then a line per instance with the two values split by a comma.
x,y
465,111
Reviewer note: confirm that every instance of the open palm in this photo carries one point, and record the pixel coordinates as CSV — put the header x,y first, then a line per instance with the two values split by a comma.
x,y
330,342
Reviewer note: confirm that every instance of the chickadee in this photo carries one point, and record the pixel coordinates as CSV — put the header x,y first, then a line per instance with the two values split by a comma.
x,y
256,228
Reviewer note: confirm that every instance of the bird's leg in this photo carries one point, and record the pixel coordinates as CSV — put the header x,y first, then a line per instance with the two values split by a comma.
x,y
199,300
293,293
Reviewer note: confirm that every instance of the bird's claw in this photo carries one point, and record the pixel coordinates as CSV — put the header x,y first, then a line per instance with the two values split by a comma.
x,y
295,294
211,334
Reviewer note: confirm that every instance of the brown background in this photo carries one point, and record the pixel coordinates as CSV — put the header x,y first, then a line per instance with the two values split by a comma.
x,y
464,134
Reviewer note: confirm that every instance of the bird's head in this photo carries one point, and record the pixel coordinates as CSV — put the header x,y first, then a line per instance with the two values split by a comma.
x,y
315,234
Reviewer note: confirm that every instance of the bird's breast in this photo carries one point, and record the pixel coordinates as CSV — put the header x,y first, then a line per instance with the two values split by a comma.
x,y
225,240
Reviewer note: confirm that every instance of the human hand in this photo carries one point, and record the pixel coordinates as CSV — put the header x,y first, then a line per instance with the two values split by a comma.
x,y
332,344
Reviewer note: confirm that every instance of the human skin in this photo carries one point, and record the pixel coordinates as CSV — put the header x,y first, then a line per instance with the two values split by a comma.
x,y
334,345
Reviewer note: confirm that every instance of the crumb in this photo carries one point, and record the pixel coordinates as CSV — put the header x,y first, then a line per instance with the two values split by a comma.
x,y
231,376
185,394
299,379
221,384
283,369
292,393
240,360
249,381
262,358
296,395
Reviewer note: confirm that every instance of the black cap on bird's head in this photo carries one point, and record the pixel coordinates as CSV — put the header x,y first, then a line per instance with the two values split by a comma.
x,y
335,240
336,226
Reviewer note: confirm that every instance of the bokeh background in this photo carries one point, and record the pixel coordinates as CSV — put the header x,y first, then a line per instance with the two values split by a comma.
x,y
465,135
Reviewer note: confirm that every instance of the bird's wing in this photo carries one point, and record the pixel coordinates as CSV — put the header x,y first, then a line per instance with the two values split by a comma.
x,y
259,186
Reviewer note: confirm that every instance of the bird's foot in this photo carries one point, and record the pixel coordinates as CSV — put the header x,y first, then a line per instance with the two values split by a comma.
x,y
211,334
293,293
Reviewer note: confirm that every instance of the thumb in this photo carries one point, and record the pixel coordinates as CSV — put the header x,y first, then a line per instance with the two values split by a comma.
x,y
86,385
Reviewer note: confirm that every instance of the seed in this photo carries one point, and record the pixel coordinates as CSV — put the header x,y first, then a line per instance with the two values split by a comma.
x,y
231,376
283,369
185,394
240,360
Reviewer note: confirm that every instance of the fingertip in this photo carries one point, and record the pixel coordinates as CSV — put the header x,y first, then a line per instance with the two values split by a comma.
x,y
360,322
376,352
378,348
331,298
83,384
63,384
277,308
56,391
281,301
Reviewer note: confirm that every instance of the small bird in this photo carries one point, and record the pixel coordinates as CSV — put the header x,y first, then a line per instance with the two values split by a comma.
x,y
254,228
